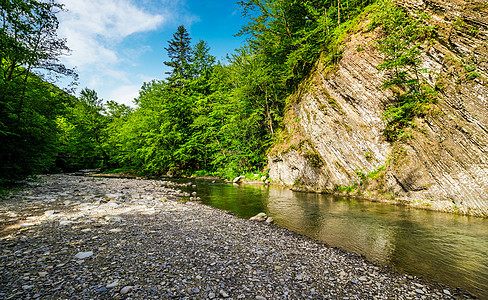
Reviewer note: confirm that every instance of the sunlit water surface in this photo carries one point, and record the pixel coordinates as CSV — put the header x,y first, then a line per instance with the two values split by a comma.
x,y
447,248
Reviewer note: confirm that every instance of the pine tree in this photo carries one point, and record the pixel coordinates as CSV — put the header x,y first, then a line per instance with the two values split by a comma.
x,y
179,53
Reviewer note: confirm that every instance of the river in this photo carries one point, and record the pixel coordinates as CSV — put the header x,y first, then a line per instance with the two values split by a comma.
x,y
450,249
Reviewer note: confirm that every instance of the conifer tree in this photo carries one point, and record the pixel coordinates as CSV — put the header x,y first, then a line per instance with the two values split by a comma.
x,y
179,53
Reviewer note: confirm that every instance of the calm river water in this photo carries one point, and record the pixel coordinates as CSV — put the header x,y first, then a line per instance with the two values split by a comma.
x,y
447,248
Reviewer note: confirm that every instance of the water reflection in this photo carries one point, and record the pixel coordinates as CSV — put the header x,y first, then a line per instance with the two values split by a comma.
x,y
447,248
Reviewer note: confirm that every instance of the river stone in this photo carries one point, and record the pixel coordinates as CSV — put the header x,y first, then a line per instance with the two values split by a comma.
x,y
223,294
269,220
113,219
50,213
27,225
126,289
82,255
238,179
259,217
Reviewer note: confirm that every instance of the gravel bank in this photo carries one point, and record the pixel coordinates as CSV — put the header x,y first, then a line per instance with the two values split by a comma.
x,y
68,237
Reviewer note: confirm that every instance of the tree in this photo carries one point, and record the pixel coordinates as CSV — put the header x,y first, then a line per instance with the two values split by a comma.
x,y
29,51
401,46
179,53
201,60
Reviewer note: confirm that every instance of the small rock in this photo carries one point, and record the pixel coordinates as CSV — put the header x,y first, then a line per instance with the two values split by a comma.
x,y
82,255
447,292
102,289
126,289
260,298
113,203
27,225
238,179
419,291
259,217
211,295
49,213
223,294
27,287
113,219
363,278
111,285
269,220
42,274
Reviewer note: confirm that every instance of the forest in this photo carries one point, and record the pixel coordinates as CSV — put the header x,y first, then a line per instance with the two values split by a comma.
x,y
205,118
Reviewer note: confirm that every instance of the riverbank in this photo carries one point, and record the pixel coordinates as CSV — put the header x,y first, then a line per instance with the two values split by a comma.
x,y
81,237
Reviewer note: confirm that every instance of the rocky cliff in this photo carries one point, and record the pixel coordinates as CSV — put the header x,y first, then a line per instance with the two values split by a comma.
x,y
334,140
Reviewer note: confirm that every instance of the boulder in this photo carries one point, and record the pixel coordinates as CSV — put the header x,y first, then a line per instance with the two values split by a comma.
x,y
238,179
259,217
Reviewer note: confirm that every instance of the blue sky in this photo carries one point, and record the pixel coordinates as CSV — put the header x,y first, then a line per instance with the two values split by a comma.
x,y
119,44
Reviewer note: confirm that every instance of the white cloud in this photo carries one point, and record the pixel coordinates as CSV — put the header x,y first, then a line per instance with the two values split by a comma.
x,y
97,33
125,94
94,28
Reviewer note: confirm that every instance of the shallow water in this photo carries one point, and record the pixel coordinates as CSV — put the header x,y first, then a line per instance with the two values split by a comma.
x,y
447,248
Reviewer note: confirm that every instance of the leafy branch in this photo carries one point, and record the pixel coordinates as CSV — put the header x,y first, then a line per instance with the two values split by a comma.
x,y
403,36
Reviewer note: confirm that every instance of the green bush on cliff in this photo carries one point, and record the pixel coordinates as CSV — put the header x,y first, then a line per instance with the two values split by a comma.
x,y
402,38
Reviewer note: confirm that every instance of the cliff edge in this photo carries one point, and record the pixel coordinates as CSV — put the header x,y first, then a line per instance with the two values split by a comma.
x,y
334,141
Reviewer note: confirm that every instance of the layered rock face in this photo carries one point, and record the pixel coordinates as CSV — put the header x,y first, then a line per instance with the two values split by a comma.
x,y
335,140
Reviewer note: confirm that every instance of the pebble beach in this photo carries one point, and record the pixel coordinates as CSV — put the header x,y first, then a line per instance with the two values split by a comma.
x,y
79,237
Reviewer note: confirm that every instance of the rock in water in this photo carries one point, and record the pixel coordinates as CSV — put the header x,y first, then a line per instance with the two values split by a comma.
x,y
238,179
259,217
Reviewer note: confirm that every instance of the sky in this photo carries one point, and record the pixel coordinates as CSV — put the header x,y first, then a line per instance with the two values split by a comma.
x,y
117,45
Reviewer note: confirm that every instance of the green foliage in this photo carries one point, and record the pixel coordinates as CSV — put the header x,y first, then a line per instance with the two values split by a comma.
x,y
84,132
376,173
205,118
179,53
29,105
403,37
289,35
346,189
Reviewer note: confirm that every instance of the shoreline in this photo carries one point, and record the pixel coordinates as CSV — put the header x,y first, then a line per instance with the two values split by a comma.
x,y
145,243
436,206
